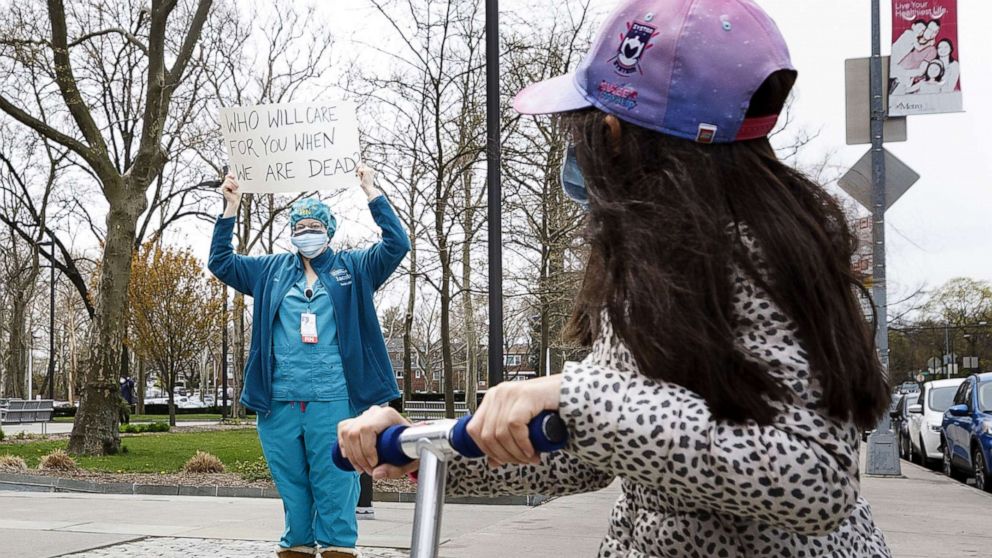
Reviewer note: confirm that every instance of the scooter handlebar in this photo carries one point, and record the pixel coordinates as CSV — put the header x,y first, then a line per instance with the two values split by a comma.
x,y
547,434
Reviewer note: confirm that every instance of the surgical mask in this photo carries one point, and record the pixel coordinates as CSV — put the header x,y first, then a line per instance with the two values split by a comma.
x,y
572,180
310,243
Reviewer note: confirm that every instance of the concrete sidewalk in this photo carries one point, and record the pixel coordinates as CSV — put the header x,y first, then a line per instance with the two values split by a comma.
x,y
922,514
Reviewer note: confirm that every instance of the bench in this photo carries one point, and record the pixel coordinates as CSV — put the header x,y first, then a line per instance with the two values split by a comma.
x,y
431,410
22,411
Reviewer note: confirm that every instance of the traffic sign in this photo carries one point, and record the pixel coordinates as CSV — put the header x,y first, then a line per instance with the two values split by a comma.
x,y
898,179
858,96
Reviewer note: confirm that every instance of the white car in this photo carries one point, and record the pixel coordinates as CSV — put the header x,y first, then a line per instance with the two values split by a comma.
x,y
925,419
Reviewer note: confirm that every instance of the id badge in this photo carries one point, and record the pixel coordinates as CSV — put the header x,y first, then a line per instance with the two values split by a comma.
x,y
308,327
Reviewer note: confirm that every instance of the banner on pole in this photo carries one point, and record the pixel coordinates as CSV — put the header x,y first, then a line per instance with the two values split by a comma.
x,y
924,71
292,147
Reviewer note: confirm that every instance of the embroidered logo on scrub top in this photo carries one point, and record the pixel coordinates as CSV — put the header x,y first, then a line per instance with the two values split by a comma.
x,y
342,276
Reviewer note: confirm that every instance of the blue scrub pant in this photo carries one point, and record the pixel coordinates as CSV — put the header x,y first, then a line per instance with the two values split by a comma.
x,y
319,499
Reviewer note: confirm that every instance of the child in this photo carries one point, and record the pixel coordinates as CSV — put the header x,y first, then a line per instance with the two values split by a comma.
x,y
731,367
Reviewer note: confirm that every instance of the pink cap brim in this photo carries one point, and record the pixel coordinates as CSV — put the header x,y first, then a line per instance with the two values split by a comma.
x,y
558,94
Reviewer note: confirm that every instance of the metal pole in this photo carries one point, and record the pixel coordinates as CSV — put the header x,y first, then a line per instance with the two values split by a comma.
x,y
51,326
878,188
947,353
30,370
495,195
883,452
430,501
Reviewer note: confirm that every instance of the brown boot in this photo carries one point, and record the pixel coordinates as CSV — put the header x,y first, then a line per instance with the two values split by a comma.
x,y
296,552
336,552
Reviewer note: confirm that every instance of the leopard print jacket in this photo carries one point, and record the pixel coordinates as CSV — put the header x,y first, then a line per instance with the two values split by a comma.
x,y
694,486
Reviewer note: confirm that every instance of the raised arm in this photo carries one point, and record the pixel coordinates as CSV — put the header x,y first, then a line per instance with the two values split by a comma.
x,y
380,260
233,269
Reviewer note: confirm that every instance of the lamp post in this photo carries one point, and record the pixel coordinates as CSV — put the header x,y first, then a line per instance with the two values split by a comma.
x,y
51,318
495,195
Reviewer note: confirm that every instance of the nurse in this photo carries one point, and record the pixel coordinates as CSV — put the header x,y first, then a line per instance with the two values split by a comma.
x,y
317,357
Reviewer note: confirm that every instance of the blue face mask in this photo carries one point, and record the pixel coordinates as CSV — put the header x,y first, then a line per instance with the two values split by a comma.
x,y
572,180
311,243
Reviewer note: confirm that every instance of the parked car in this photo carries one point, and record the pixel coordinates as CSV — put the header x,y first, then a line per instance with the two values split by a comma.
x,y
967,432
926,418
900,421
908,387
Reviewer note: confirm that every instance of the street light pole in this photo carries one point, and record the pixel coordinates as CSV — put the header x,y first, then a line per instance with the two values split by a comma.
x,y
883,452
495,195
51,324
51,315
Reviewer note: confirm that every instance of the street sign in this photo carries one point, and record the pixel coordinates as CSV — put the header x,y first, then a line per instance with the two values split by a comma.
x,y
970,362
898,179
920,378
934,363
858,96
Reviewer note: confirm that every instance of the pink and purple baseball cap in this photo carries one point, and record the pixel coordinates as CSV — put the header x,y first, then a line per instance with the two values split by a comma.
x,y
686,68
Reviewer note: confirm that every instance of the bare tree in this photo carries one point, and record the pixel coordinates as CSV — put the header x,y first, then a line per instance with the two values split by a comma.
x,y
68,55
430,92
544,224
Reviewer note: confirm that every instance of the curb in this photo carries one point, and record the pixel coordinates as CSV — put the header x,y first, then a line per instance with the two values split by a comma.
x,y
37,483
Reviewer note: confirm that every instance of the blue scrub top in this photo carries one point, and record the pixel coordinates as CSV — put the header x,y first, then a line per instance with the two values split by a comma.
x,y
307,371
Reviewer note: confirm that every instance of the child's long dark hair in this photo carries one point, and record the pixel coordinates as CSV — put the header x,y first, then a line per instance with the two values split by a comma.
x,y
663,221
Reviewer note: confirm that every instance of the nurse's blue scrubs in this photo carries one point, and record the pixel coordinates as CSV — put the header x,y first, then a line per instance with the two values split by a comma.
x,y
309,399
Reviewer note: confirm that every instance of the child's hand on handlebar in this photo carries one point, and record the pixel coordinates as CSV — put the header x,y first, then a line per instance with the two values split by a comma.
x,y
357,438
499,427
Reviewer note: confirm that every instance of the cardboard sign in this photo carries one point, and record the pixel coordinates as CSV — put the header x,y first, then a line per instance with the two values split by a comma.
x,y
924,72
292,147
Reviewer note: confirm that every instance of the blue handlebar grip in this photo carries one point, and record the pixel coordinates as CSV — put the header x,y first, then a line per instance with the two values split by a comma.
x,y
461,441
387,446
547,434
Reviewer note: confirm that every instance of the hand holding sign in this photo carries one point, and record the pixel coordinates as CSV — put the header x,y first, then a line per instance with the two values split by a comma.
x,y
230,190
367,177
291,147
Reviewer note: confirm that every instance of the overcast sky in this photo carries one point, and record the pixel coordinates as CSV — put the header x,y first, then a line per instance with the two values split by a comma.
x,y
942,227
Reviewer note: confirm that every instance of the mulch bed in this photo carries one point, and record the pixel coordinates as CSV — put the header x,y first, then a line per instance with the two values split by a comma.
x,y
185,479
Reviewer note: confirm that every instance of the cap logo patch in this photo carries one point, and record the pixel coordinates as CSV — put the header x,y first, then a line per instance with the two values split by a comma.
x,y
633,44
706,134
614,94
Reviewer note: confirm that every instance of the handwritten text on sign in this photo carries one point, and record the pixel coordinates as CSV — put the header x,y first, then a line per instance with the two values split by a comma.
x,y
292,147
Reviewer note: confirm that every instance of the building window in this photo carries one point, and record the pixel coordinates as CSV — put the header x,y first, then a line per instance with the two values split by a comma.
x,y
512,360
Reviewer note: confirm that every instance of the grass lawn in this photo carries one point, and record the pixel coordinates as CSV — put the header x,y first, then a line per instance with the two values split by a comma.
x,y
154,453
161,418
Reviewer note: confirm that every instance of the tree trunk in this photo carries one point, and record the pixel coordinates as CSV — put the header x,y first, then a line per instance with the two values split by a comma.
x,y
446,367
172,397
468,308
95,431
239,356
17,349
559,308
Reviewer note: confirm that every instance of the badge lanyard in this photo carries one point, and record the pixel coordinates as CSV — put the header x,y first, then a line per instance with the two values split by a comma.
x,y
308,320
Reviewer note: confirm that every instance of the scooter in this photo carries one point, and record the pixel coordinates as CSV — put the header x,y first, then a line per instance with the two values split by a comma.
x,y
434,444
